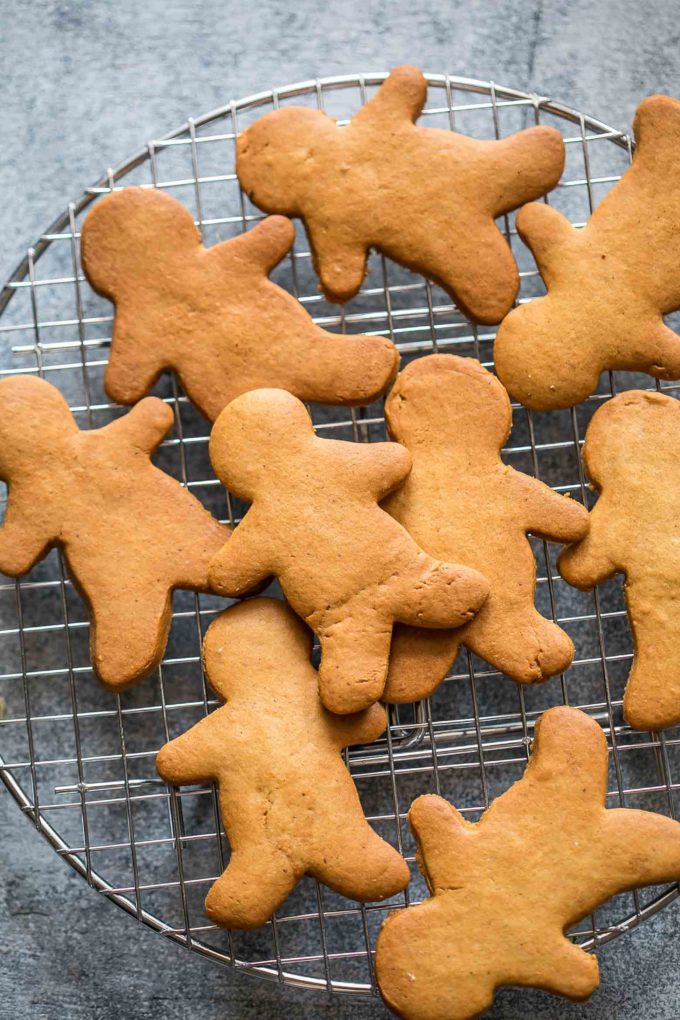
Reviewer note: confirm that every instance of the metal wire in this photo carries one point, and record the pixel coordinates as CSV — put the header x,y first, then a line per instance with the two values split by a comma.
x,y
80,763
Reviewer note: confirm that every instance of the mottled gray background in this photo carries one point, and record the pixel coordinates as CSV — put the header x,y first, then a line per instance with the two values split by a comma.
x,y
83,84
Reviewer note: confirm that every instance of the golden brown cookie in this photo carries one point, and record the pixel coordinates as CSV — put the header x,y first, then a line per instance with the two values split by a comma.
x,y
346,567
289,806
211,314
462,503
424,196
505,890
609,283
632,453
129,532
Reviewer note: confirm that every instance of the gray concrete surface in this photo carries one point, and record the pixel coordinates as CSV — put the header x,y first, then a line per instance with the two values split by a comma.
x,y
83,84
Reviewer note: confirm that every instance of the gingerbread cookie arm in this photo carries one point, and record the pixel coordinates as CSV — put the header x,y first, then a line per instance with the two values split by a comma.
x,y
146,425
400,97
24,536
185,759
656,127
589,562
361,728
243,562
443,839
547,233
133,368
548,514
264,246
381,466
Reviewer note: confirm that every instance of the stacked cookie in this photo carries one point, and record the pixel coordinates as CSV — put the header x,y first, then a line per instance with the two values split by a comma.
x,y
393,554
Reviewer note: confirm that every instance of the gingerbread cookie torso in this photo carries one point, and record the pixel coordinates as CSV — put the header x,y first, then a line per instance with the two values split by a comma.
x,y
426,197
347,568
212,314
288,802
130,532
632,452
609,283
462,503
505,890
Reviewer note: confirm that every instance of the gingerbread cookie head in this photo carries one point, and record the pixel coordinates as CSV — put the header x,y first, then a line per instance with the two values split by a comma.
x,y
504,891
442,397
273,155
254,438
650,423
135,236
35,423
609,284
250,640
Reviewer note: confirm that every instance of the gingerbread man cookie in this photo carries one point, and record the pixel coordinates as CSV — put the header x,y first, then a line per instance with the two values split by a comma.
x,y
631,453
288,803
212,315
426,197
347,568
462,503
129,532
505,890
609,283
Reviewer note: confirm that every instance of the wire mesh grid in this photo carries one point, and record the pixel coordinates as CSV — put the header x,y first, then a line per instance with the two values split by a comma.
x,y
80,762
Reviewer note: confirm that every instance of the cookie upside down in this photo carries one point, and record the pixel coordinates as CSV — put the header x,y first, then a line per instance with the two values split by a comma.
x,y
505,890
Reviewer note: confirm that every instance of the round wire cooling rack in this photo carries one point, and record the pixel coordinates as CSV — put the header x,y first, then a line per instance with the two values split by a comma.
x,y
80,762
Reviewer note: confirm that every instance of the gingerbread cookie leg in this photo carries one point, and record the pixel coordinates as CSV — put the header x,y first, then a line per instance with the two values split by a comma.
x,y
419,661
128,641
564,969
652,696
662,349
493,261
524,645
246,896
382,871
354,651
